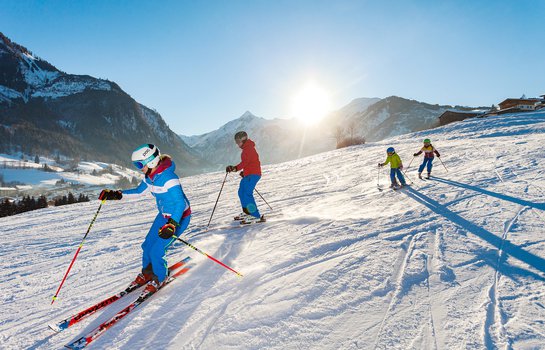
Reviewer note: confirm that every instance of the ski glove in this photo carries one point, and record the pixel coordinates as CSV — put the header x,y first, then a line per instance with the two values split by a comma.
x,y
380,164
241,174
230,168
110,195
168,229
415,155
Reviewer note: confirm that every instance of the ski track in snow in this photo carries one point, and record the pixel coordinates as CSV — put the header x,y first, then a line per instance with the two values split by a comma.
x,y
454,262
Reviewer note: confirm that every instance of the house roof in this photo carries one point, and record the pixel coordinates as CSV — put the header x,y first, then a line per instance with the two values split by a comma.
x,y
520,100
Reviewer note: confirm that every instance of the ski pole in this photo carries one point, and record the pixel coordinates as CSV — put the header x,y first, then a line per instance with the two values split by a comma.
x,y
219,194
255,189
77,252
404,173
208,256
443,164
378,176
410,163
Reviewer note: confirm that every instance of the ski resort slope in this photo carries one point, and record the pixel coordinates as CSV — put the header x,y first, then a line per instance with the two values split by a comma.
x,y
456,262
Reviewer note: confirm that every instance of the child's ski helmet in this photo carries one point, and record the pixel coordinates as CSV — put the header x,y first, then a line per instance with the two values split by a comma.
x,y
390,150
241,136
146,154
427,141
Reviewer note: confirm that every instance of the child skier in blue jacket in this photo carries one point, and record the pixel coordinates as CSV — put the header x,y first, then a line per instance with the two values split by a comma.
x,y
174,211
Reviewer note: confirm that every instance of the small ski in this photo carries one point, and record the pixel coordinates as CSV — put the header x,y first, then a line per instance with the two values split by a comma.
x,y
252,222
98,331
72,320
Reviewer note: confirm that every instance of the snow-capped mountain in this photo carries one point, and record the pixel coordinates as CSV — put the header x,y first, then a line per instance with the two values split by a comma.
x,y
388,117
354,108
276,140
281,140
46,111
455,262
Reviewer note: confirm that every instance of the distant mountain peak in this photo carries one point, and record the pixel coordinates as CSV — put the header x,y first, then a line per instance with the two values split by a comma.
x,y
248,115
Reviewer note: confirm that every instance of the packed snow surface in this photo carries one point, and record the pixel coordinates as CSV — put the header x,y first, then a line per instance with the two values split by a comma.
x,y
456,262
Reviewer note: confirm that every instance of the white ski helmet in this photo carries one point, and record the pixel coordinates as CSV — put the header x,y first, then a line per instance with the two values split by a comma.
x,y
146,154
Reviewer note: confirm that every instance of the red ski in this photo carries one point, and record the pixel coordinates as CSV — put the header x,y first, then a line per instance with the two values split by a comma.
x,y
98,331
72,320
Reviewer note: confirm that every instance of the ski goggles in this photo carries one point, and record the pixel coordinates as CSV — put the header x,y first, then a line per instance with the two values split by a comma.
x,y
140,164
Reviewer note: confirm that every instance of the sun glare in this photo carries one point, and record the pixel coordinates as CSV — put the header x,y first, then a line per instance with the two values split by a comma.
x,y
311,104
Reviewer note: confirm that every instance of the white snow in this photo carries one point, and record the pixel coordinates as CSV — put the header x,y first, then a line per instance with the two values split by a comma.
x,y
34,75
457,262
14,169
6,94
65,87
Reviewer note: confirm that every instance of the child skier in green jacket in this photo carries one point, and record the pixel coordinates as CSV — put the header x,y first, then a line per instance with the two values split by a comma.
x,y
395,167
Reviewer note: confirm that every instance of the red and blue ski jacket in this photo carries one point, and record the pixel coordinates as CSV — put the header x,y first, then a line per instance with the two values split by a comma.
x,y
249,159
428,151
165,186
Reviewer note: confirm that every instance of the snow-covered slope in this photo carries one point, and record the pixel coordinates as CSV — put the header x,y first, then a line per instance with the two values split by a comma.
x,y
457,262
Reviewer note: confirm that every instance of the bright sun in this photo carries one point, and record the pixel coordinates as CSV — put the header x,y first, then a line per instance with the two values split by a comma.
x,y
311,104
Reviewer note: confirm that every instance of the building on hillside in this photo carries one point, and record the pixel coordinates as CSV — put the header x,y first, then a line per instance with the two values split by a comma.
x,y
519,104
453,115
541,104
7,191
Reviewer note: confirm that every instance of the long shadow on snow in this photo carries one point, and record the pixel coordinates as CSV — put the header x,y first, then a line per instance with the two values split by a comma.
x,y
504,197
513,250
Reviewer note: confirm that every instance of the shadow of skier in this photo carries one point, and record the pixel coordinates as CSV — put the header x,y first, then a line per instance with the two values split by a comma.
x,y
509,248
540,206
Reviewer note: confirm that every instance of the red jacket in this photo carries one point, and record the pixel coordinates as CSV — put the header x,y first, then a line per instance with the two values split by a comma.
x,y
250,159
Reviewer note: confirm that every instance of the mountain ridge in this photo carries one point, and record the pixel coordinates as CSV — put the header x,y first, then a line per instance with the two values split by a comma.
x,y
49,112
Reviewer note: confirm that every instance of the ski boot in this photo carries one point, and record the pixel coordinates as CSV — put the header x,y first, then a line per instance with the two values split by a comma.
x,y
252,220
142,278
428,177
420,176
154,285
241,216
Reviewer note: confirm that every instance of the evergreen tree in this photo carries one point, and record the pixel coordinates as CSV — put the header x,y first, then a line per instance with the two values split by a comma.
x,y
71,199
42,202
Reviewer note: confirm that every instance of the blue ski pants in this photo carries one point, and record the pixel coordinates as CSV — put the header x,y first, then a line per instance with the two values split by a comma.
x,y
428,162
394,172
155,247
246,194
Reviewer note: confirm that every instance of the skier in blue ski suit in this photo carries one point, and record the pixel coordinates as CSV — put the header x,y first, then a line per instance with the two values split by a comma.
x,y
174,210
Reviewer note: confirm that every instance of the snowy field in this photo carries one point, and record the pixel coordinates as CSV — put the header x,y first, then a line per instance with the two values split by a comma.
x,y
457,262
33,176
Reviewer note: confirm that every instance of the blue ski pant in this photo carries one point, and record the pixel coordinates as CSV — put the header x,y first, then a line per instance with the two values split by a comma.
x,y
394,172
427,162
246,194
155,247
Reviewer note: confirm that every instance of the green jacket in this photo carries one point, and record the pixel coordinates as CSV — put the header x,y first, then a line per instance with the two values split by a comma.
x,y
394,160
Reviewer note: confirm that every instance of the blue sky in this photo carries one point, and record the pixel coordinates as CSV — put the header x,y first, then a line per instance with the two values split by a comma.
x,y
203,63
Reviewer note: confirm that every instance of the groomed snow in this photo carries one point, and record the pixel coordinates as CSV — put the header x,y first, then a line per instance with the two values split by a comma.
x,y
457,262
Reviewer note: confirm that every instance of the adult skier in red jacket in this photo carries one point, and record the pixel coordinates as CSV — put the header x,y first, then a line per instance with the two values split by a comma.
x,y
251,174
